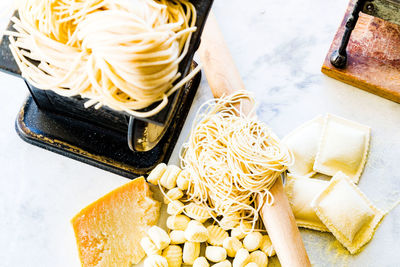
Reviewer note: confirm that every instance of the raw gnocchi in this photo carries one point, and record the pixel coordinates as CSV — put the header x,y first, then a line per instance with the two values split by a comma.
x,y
260,258
241,231
242,258
173,194
215,254
267,247
232,245
156,174
224,263
177,237
191,251
178,222
148,246
159,237
196,232
155,261
252,241
183,181
216,235
197,212
175,207
229,222
173,254
168,180
201,262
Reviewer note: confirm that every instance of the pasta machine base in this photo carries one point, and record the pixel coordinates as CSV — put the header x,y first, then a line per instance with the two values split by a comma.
x,y
372,48
98,146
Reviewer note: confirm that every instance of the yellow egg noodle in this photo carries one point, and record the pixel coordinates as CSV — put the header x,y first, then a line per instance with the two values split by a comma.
x,y
231,159
124,54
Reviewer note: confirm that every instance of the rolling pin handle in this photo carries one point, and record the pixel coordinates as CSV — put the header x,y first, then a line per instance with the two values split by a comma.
x,y
224,79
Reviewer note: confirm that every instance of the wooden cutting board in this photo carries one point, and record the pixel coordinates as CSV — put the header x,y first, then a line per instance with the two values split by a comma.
x,y
373,56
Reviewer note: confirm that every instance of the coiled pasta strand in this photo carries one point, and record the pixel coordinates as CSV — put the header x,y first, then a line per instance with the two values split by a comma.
x,y
124,54
232,158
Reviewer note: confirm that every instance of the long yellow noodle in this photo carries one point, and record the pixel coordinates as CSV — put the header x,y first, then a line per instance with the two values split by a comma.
x,y
232,159
121,53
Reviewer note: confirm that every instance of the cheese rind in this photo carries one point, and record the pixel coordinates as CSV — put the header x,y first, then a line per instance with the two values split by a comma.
x,y
108,231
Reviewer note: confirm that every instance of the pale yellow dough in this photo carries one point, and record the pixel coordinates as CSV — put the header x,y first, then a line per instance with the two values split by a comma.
x,y
343,147
303,142
301,191
347,213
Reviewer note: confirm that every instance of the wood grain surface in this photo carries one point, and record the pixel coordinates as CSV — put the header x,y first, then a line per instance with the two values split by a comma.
x,y
373,56
224,78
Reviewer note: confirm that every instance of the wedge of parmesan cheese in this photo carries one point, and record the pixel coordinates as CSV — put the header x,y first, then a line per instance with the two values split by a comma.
x,y
108,231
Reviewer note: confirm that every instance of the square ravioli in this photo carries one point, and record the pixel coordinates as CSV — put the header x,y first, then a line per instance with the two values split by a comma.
x,y
303,142
343,147
301,191
347,212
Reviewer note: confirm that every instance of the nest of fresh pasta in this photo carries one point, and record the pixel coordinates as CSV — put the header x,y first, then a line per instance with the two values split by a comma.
x,y
124,54
232,160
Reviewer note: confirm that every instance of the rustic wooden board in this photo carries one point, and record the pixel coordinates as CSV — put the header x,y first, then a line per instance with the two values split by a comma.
x,y
373,56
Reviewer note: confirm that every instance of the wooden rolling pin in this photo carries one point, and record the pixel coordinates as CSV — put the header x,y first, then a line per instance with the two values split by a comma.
x,y
224,78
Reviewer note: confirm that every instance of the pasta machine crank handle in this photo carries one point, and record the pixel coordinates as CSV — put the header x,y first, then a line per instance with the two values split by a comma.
x,y
224,78
339,57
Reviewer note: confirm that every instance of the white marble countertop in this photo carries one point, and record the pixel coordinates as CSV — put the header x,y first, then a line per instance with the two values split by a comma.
x,y
279,48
